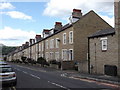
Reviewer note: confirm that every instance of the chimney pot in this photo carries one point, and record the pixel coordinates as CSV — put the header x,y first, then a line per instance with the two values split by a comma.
x,y
56,23
46,30
38,37
76,10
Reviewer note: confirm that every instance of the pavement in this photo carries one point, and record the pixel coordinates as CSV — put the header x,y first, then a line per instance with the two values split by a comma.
x,y
100,78
95,77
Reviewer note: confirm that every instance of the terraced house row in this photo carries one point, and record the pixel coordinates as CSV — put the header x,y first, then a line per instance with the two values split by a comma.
x,y
70,43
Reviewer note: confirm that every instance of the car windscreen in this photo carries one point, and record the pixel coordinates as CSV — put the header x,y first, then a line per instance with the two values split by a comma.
x,y
5,69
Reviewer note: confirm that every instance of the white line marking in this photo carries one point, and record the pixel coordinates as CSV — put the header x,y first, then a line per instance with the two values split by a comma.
x,y
63,75
27,73
86,80
17,69
58,85
24,72
35,76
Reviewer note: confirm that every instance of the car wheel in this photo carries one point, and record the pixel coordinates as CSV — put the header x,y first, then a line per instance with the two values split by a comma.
x,y
15,83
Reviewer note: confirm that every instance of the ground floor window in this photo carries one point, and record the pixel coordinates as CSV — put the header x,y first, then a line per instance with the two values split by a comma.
x,y
64,54
51,55
36,56
71,54
42,55
47,55
57,55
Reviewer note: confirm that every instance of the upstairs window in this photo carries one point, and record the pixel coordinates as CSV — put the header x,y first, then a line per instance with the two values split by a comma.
x,y
64,38
39,47
42,46
36,47
57,42
104,43
52,43
46,44
71,37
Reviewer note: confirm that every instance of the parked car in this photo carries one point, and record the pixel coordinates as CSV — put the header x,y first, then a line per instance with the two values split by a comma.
x,y
3,63
7,75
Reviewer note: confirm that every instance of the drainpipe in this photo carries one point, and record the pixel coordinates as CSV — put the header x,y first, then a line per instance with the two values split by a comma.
x,y
88,55
44,49
38,50
30,52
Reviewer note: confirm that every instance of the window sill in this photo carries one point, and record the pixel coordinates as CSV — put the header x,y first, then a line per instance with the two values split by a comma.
x,y
104,50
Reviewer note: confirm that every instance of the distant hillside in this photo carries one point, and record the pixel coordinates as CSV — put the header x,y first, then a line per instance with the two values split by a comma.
x,y
7,49
2,44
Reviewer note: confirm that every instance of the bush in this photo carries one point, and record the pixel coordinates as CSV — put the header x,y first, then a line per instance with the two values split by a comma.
x,y
42,61
24,59
47,63
30,60
13,60
17,60
55,62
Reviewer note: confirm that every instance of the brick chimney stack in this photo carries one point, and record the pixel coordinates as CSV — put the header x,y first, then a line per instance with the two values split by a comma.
x,y
27,44
58,25
30,41
23,46
38,37
76,13
33,41
45,33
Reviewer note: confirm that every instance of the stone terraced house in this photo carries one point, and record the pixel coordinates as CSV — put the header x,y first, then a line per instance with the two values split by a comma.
x,y
68,43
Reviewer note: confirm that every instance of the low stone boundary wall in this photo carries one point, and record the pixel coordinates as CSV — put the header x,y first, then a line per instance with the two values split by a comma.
x,y
67,65
54,66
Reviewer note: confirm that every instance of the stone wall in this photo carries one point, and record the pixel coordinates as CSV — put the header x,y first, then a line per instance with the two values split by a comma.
x,y
67,65
99,58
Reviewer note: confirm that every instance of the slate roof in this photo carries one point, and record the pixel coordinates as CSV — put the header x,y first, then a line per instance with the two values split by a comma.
x,y
104,32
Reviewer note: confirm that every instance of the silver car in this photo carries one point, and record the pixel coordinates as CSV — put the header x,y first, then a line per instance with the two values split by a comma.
x,y
7,75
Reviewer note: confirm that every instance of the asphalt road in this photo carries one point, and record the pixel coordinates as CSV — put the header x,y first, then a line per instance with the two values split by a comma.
x,y
30,77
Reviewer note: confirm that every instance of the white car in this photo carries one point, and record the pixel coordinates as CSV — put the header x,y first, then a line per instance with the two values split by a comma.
x,y
7,75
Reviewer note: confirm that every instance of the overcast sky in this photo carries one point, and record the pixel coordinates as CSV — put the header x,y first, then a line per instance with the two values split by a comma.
x,y
21,20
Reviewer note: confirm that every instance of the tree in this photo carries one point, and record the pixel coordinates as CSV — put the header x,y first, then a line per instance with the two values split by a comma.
x,y
7,49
